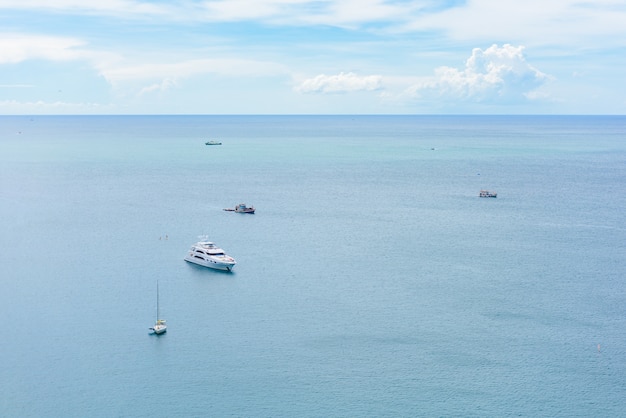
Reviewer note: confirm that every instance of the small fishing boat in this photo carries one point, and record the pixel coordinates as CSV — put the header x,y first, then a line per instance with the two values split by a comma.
x,y
159,326
487,193
213,143
241,208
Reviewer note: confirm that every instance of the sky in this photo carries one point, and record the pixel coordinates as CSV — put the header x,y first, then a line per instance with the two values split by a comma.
x,y
312,57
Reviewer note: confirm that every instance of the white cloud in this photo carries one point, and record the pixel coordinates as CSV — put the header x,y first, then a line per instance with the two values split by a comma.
x,y
149,77
476,20
16,86
340,83
140,74
537,22
158,87
46,107
121,8
283,12
15,48
555,22
298,12
493,75
187,68
143,47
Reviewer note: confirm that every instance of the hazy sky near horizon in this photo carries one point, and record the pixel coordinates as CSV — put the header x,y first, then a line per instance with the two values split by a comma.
x,y
312,57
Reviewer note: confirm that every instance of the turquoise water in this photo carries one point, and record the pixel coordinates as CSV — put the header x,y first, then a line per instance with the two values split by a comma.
x,y
372,281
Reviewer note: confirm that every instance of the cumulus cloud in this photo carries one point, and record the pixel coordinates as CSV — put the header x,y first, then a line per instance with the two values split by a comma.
x,y
499,74
340,83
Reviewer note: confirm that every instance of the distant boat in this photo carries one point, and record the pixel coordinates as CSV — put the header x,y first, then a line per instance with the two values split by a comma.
x,y
213,143
159,326
241,208
487,193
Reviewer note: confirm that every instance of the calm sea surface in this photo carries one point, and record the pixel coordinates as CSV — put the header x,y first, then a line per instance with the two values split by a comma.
x,y
371,282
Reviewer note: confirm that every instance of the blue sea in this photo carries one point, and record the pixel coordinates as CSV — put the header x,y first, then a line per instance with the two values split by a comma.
x,y
372,281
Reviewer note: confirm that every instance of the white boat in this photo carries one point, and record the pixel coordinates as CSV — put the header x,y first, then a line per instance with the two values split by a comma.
x,y
206,253
159,326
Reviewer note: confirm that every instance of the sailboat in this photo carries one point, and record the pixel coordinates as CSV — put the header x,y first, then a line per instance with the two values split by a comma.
x,y
159,326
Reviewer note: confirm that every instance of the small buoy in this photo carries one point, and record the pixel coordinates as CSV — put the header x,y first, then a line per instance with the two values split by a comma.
x,y
598,348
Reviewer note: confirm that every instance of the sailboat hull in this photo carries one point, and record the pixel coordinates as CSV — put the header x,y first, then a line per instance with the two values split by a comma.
x,y
159,329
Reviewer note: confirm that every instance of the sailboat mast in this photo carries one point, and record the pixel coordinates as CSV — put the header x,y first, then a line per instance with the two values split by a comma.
x,y
157,317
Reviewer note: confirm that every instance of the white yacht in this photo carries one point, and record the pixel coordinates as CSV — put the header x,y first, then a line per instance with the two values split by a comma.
x,y
207,254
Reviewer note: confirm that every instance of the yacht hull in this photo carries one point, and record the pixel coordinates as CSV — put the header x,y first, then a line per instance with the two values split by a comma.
x,y
212,264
